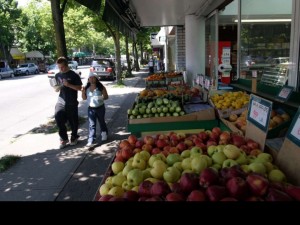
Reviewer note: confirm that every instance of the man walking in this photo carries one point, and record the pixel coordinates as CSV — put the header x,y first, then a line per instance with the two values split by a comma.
x,y
66,108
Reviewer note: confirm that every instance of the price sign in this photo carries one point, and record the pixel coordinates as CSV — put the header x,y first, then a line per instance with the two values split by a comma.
x,y
285,93
207,83
259,112
294,130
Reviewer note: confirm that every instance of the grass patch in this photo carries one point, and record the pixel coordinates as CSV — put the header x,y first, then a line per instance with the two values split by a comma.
x,y
51,127
7,161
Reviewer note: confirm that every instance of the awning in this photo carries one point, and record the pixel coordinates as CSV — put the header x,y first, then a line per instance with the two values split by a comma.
x,y
34,54
79,54
17,54
119,15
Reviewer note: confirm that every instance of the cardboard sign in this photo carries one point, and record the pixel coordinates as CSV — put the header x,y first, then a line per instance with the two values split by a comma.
x,y
294,130
285,93
259,112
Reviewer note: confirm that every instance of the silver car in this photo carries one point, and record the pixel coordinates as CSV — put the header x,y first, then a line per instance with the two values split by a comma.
x,y
26,69
103,68
6,72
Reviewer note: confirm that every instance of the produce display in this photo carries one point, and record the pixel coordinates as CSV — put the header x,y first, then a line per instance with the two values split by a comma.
x,y
212,165
230,100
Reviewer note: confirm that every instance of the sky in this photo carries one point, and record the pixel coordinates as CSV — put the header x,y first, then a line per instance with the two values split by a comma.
x,y
22,2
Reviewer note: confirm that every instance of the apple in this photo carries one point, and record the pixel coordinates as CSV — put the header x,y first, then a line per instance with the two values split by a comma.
x,y
126,186
181,146
131,196
198,165
231,151
195,149
124,143
139,143
104,189
174,197
132,139
216,167
118,179
155,157
211,142
229,163
188,142
252,144
178,166
255,152
237,187
242,159
160,188
203,135
105,198
216,130
258,184
155,151
126,169
264,157
159,167
186,164
197,141
117,167
126,153
149,140
276,175
277,195
245,168
228,199
145,189
171,175
238,140
214,137
225,136
208,177
135,177
220,148
147,147
189,182
257,167
207,158
196,195
146,173
173,158
161,143
293,191
139,164
154,199
108,180
116,191
185,154
211,150
145,155
219,158
216,193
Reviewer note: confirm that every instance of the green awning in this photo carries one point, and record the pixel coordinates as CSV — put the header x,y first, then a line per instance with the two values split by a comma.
x,y
79,54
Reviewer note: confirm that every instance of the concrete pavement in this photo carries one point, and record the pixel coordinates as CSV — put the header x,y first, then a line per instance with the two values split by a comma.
x,y
46,173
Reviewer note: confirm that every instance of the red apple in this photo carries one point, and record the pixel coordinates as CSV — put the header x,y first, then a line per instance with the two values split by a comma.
x,y
214,136
293,191
176,188
189,182
173,150
203,135
208,177
139,143
124,143
161,143
131,196
116,199
216,130
225,135
154,199
105,198
160,188
258,184
238,140
196,195
149,140
188,142
216,193
145,188
132,139
237,187
175,197
155,151
275,195
147,147
126,153
252,144
228,199
211,142
181,146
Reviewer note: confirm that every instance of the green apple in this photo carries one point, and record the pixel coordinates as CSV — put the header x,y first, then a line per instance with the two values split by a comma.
x,y
187,171
257,167
173,158
129,161
198,164
242,159
135,177
139,164
155,157
109,180
186,154
152,179
218,157
277,176
159,167
269,166
146,173
186,164
171,175
251,158
117,167
145,155
216,166
126,169
178,166
265,157
220,148
118,179
231,151
126,186
104,189
211,150
135,188
116,191
229,163
207,158
245,168
196,149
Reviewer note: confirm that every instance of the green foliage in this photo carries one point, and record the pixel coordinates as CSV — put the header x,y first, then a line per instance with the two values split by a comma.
x,y
7,161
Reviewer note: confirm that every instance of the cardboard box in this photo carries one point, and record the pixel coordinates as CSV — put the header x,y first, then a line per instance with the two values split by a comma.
x,y
232,126
206,114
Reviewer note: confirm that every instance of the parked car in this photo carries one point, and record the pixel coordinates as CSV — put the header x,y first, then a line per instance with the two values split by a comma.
x,y
103,68
6,72
26,69
53,69
73,64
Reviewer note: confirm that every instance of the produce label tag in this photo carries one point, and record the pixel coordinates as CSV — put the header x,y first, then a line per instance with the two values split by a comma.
x,y
294,130
285,93
259,112
207,83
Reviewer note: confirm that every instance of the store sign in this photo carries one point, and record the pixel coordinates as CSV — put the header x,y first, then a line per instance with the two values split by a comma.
x,y
285,93
259,112
294,130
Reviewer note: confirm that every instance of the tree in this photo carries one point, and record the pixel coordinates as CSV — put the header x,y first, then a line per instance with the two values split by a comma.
x,y
9,15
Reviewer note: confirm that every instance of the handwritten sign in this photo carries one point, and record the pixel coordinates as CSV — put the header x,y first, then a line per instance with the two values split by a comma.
x,y
259,112
285,93
294,130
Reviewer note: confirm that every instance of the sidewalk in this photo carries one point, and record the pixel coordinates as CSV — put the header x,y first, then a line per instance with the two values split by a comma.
x,y
46,173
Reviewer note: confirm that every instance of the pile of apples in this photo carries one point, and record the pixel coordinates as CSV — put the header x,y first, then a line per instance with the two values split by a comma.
x,y
209,166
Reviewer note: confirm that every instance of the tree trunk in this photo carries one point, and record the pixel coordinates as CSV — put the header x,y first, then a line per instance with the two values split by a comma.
x,y
127,57
141,50
136,58
58,21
